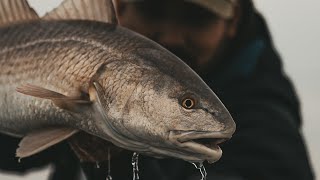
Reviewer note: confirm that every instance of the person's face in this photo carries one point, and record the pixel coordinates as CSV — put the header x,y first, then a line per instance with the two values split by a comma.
x,y
193,33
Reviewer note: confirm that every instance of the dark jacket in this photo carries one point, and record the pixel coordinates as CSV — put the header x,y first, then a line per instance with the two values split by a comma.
x,y
267,143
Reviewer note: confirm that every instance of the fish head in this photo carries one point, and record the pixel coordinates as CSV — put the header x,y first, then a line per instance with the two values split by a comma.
x,y
180,120
169,112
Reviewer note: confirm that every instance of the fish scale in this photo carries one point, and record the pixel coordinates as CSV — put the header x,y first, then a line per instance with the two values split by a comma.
x,y
24,61
67,76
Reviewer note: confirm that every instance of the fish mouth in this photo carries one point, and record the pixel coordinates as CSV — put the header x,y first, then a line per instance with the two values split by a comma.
x,y
199,146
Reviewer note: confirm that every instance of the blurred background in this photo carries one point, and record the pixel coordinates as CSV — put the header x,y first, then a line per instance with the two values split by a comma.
x,y
295,26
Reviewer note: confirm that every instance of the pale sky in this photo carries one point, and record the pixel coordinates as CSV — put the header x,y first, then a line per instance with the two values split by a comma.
x,y
295,27
296,31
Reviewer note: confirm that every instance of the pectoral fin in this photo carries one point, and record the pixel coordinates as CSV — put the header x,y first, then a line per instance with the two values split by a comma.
x,y
96,93
75,104
40,140
90,148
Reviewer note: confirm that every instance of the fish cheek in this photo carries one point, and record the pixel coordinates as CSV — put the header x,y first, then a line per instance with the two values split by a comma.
x,y
138,117
166,114
161,113
153,113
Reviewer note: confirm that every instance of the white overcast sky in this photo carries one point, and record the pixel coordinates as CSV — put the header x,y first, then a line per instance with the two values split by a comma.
x,y
295,26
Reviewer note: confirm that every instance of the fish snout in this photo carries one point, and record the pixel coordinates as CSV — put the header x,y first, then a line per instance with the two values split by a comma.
x,y
229,124
224,118
220,119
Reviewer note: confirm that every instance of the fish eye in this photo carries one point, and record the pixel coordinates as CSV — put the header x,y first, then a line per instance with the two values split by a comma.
x,y
188,103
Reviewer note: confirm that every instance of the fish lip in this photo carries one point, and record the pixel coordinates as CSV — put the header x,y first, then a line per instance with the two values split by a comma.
x,y
191,141
183,136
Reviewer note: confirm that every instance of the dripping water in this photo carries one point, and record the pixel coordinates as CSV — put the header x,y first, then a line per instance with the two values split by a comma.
x,y
202,170
135,166
109,177
97,165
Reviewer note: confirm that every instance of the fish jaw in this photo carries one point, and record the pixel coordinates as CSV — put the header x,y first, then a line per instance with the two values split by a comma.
x,y
198,146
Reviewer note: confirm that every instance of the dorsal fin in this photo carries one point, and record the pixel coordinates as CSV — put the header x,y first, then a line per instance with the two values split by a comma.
x,y
15,11
97,10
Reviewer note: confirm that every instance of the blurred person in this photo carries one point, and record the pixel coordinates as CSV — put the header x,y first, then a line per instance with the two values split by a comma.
x,y
228,44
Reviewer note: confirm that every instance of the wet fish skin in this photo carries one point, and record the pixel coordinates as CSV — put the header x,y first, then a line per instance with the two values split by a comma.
x,y
141,86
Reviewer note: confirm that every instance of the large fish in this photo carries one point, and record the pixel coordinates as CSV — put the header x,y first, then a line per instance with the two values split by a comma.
x,y
68,72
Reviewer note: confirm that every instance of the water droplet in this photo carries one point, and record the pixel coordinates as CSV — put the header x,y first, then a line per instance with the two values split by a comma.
x,y
97,165
19,160
109,177
135,166
202,170
211,162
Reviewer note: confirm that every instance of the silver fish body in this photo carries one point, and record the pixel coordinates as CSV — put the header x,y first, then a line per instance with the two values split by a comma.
x,y
141,89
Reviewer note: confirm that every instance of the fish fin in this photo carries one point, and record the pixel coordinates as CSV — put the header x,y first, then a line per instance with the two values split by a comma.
x,y
96,93
36,91
15,11
38,141
97,10
89,148
75,104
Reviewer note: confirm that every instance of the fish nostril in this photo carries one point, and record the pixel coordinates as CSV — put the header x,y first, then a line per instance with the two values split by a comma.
x,y
215,113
